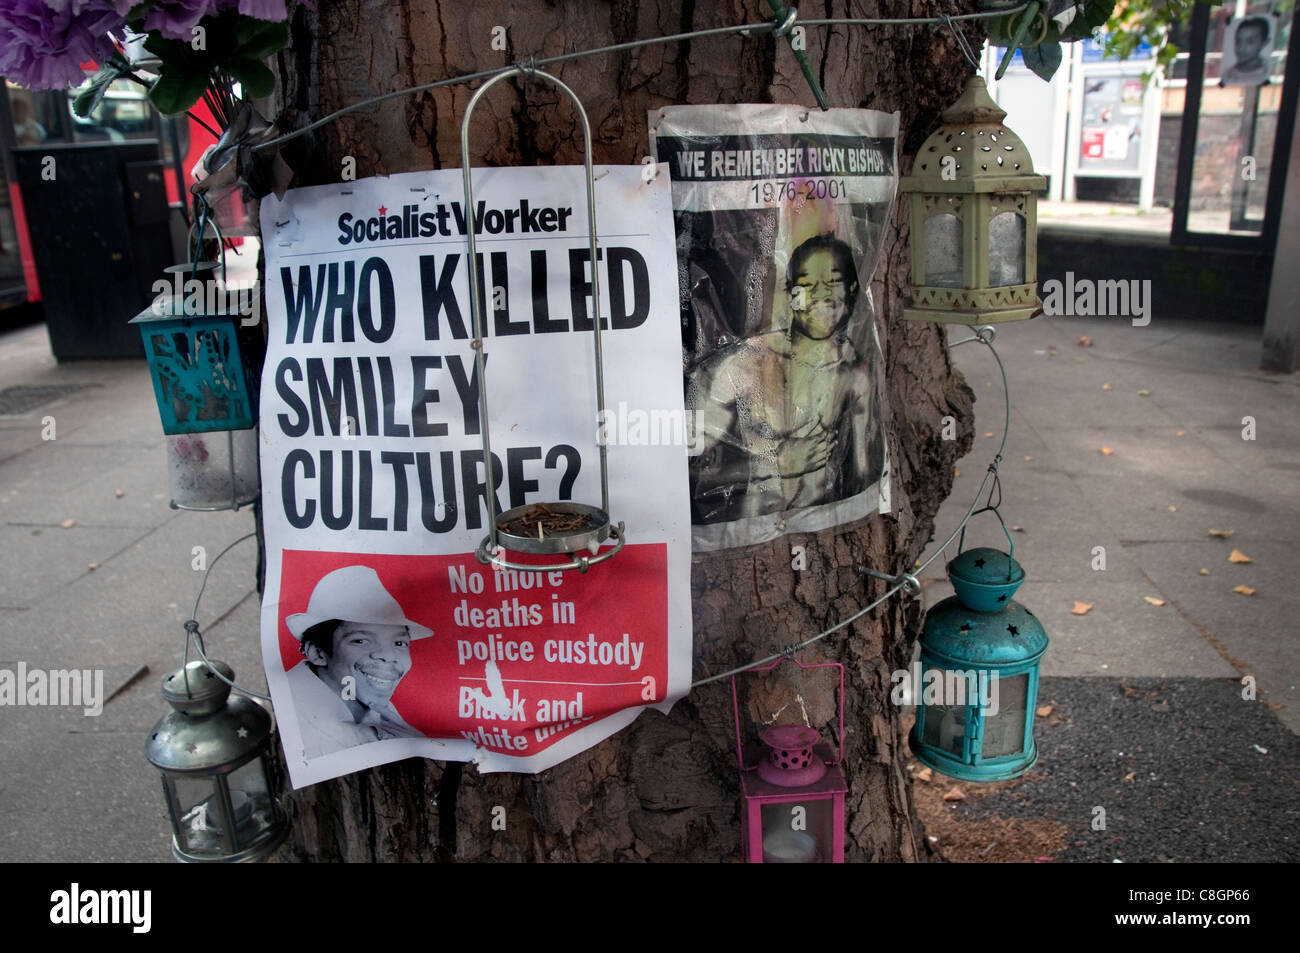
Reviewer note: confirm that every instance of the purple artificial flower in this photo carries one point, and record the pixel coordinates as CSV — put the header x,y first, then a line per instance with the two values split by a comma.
x,y
176,19
44,42
264,9
274,10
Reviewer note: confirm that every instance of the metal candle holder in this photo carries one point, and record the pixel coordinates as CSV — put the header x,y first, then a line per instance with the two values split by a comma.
x,y
592,523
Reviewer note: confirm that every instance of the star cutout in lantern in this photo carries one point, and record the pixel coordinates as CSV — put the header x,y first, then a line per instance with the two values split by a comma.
x,y
965,627
1002,598
191,747
979,563
242,732
1013,630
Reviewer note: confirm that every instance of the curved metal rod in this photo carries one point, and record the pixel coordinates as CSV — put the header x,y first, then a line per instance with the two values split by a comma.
x,y
476,305
580,563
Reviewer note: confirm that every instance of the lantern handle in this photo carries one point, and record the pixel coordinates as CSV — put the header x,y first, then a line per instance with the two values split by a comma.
x,y
529,70
787,654
194,241
1011,543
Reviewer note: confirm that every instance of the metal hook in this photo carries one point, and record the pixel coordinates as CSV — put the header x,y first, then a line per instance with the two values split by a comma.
x,y
781,29
527,66
785,24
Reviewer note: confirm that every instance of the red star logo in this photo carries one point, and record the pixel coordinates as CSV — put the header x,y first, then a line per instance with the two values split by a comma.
x,y
382,210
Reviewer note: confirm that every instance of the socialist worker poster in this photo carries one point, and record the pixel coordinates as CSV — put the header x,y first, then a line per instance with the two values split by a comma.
x,y
779,217
383,636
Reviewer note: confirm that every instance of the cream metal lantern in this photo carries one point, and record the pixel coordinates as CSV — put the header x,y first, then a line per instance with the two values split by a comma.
x,y
974,219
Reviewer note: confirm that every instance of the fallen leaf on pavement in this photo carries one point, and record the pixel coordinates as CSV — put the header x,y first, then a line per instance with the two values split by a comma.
x,y
68,523
1237,556
92,566
989,434
1106,451
1144,393
1173,509
925,774
119,493
1181,433
956,472
1222,533
1205,572
955,795
1154,601
1130,776
1028,458
1017,529
1244,590
1081,608
1105,386
1276,706
1043,711
1083,341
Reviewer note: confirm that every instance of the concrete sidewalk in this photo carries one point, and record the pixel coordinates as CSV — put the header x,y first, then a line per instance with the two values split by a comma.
x,y
1168,402
1144,724
97,572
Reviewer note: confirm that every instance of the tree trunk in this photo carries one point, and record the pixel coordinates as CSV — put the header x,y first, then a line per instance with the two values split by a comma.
x,y
665,788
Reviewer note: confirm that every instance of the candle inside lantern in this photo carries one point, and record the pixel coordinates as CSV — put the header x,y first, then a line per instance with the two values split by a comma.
x,y
789,847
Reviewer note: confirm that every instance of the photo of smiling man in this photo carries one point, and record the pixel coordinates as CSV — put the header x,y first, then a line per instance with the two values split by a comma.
x,y
356,646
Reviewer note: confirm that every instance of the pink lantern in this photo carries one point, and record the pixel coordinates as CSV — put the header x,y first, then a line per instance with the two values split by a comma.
x,y
793,789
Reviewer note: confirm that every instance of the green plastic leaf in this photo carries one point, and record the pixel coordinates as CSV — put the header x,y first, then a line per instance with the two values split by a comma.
x,y
177,90
1043,59
90,97
256,39
256,79
1092,14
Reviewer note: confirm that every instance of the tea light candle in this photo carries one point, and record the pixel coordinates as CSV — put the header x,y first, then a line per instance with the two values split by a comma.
x,y
789,847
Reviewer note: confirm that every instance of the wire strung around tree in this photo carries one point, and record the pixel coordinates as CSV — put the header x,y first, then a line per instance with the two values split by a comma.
x,y
742,29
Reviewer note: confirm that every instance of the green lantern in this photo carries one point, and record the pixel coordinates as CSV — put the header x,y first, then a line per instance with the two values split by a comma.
x,y
202,344
974,219
980,653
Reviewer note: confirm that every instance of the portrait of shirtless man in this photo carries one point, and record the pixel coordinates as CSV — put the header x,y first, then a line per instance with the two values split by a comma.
x,y
781,417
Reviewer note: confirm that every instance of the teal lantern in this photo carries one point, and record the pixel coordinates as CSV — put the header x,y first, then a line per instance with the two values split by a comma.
x,y
979,673
192,342
201,338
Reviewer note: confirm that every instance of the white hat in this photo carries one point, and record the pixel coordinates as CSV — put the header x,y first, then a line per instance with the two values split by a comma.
x,y
352,594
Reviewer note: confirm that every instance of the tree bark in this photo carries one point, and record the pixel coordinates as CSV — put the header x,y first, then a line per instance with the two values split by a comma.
x,y
667,787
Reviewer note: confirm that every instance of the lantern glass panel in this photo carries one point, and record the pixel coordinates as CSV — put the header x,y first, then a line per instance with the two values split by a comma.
x,y
943,251
199,820
202,467
1004,733
254,809
784,844
1006,250
945,727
